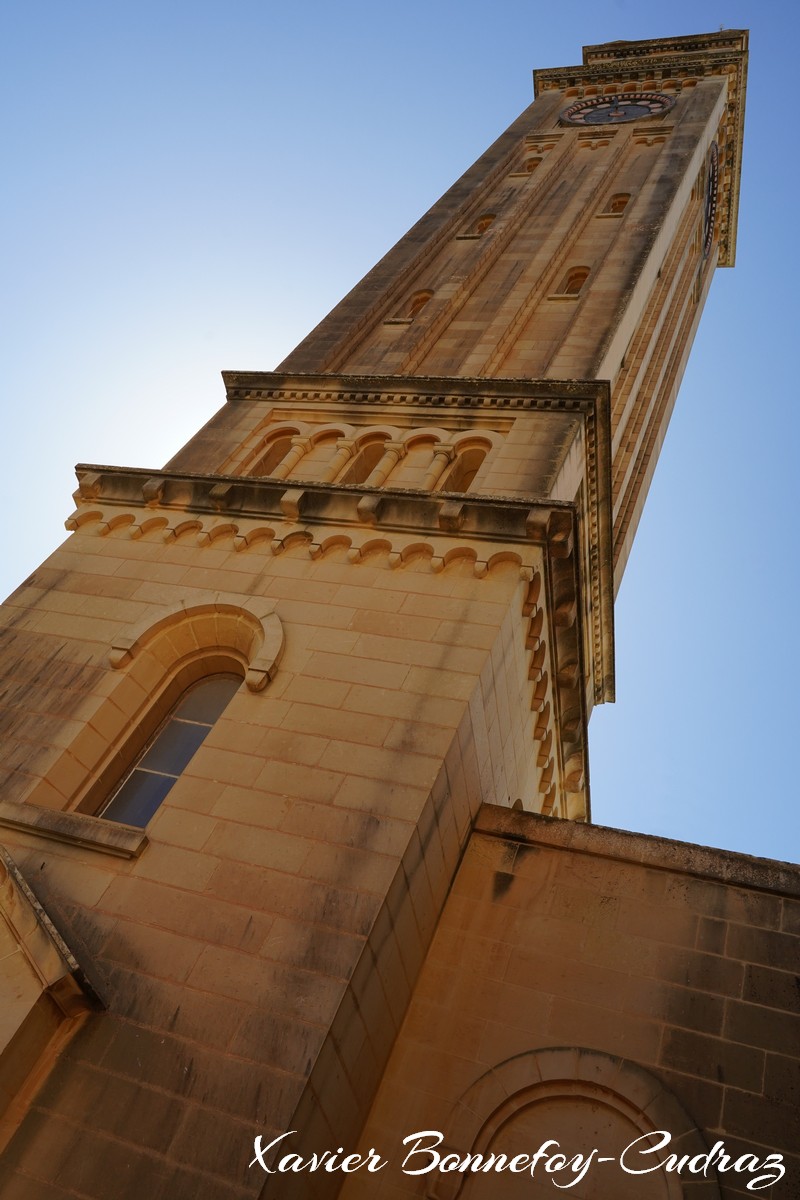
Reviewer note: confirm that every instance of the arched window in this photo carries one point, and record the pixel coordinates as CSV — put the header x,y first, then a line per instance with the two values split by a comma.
x,y
483,223
365,461
317,458
417,303
275,452
617,203
463,470
574,280
170,750
410,471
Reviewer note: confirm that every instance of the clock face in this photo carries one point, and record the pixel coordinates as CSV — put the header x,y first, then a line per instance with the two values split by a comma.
x,y
614,110
710,213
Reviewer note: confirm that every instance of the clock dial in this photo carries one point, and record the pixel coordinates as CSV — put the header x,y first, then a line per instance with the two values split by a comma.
x,y
614,110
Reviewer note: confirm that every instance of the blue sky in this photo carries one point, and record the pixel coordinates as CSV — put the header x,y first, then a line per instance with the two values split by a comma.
x,y
190,187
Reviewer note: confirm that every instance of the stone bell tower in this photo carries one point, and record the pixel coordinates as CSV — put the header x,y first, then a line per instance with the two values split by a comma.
x,y
404,546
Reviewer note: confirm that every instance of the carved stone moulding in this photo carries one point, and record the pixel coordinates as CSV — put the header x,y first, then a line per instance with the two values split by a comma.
x,y
582,407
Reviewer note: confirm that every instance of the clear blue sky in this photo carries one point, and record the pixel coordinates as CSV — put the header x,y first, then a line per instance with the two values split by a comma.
x,y
192,186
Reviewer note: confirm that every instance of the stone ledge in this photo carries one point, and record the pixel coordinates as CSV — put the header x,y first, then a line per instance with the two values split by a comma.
x,y
646,850
76,829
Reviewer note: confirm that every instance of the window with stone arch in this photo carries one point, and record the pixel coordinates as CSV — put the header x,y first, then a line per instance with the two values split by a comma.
x,y
617,204
366,459
162,661
463,470
274,453
412,468
417,303
314,462
573,281
483,222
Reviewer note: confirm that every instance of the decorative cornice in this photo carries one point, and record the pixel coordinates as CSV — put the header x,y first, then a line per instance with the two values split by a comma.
x,y
574,539
399,518
719,41
479,401
427,391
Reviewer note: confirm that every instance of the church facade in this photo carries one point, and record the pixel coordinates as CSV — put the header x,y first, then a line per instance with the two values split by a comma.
x,y
295,797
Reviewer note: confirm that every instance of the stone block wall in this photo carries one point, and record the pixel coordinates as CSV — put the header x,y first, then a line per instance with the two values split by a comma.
x,y
579,968
257,947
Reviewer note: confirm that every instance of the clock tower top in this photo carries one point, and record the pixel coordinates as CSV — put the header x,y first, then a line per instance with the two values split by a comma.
x,y
670,64
580,246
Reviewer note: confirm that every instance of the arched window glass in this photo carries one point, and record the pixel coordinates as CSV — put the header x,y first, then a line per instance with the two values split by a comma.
x,y
170,749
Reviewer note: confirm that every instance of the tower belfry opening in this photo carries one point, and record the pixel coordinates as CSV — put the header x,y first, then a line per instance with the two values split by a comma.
x,y
346,644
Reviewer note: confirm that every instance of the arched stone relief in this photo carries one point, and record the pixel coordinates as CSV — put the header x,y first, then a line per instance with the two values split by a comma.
x,y
211,623
416,303
80,518
182,529
295,541
327,545
414,460
248,538
149,526
215,532
368,455
369,548
585,1099
573,281
412,554
116,523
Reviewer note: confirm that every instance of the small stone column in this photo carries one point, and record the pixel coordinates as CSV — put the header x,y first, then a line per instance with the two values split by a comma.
x,y
345,449
442,455
394,452
300,446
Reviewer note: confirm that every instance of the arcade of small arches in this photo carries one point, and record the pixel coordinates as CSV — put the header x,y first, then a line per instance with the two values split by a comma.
x,y
684,80
431,460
